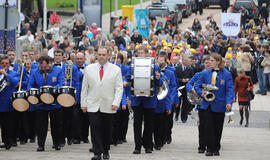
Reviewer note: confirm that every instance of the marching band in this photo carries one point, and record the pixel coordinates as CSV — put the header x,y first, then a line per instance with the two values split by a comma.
x,y
71,96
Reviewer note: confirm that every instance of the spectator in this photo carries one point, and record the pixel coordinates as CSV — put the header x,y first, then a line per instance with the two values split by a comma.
x,y
77,32
98,41
55,32
264,12
266,68
199,6
42,39
119,39
244,16
27,28
224,4
93,29
196,26
27,39
54,18
78,16
35,17
136,37
36,44
118,22
247,59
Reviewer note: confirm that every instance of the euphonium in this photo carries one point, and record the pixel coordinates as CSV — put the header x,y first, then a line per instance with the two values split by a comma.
x,y
207,88
194,99
163,90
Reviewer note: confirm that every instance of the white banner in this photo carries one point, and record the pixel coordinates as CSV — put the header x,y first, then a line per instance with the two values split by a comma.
x,y
230,23
10,2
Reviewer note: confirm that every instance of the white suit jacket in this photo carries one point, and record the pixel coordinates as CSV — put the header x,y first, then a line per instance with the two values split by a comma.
x,y
101,95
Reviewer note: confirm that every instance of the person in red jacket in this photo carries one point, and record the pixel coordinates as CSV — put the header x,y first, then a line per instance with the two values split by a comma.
x,y
243,84
54,18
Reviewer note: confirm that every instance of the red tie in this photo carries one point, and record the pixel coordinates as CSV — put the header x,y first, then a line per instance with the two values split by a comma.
x,y
101,71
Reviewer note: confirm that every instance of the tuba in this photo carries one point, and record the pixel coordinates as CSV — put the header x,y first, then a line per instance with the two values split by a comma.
x,y
194,99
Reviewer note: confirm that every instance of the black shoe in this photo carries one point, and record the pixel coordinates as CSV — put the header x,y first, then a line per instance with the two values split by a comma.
x,y
5,146
40,149
106,156
85,141
124,140
148,151
176,118
216,153
184,121
75,141
264,94
57,147
22,142
209,154
62,145
14,144
169,141
241,121
119,142
136,151
157,148
91,150
70,141
246,125
201,151
33,140
96,157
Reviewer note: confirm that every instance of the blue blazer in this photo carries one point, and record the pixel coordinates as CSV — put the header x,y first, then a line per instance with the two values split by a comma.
x,y
5,95
224,94
79,85
55,79
175,98
192,81
166,103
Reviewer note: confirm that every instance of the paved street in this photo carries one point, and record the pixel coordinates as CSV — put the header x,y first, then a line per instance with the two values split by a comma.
x,y
238,142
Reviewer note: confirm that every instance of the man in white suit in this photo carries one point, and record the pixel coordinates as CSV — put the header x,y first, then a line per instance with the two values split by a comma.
x,y
101,94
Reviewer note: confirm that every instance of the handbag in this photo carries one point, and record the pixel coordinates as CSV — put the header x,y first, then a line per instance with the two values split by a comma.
x,y
250,93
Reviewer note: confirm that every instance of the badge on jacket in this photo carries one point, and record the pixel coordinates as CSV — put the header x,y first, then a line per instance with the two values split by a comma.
x,y
222,81
53,79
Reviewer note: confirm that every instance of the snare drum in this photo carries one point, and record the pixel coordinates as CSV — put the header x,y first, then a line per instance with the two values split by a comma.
x,y
66,96
19,101
47,94
142,76
33,96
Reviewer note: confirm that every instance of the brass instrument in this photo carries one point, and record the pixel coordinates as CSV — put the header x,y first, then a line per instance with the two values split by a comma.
x,y
66,94
194,99
207,89
19,101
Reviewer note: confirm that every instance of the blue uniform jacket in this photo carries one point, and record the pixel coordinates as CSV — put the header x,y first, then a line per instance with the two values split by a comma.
x,y
55,78
75,78
176,98
224,94
5,95
165,104
192,81
147,102
79,86
127,89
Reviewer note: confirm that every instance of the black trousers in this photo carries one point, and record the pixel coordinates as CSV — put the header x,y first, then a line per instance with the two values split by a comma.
x,y
22,125
199,8
213,127
101,131
201,128
159,125
42,125
67,114
80,124
116,127
7,127
185,107
168,119
31,117
124,118
145,139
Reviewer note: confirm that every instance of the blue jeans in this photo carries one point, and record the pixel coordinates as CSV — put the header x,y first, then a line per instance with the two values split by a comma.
x,y
260,76
267,83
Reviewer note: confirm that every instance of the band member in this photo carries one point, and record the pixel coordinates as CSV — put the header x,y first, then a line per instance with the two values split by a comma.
x,y
243,84
122,115
143,108
202,113
101,95
11,78
80,119
175,101
184,72
164,106
67,112
47,74
215,110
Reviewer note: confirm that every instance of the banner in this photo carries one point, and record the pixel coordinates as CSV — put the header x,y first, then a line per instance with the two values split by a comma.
x,y
160,23
230,23
11,35
142,22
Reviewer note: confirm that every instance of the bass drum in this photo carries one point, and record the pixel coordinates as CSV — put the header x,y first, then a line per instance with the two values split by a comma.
x,y
19,101
47,94
33,96
66,96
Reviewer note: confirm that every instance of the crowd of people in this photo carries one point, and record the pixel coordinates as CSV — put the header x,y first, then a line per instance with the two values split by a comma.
x,y
184,58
